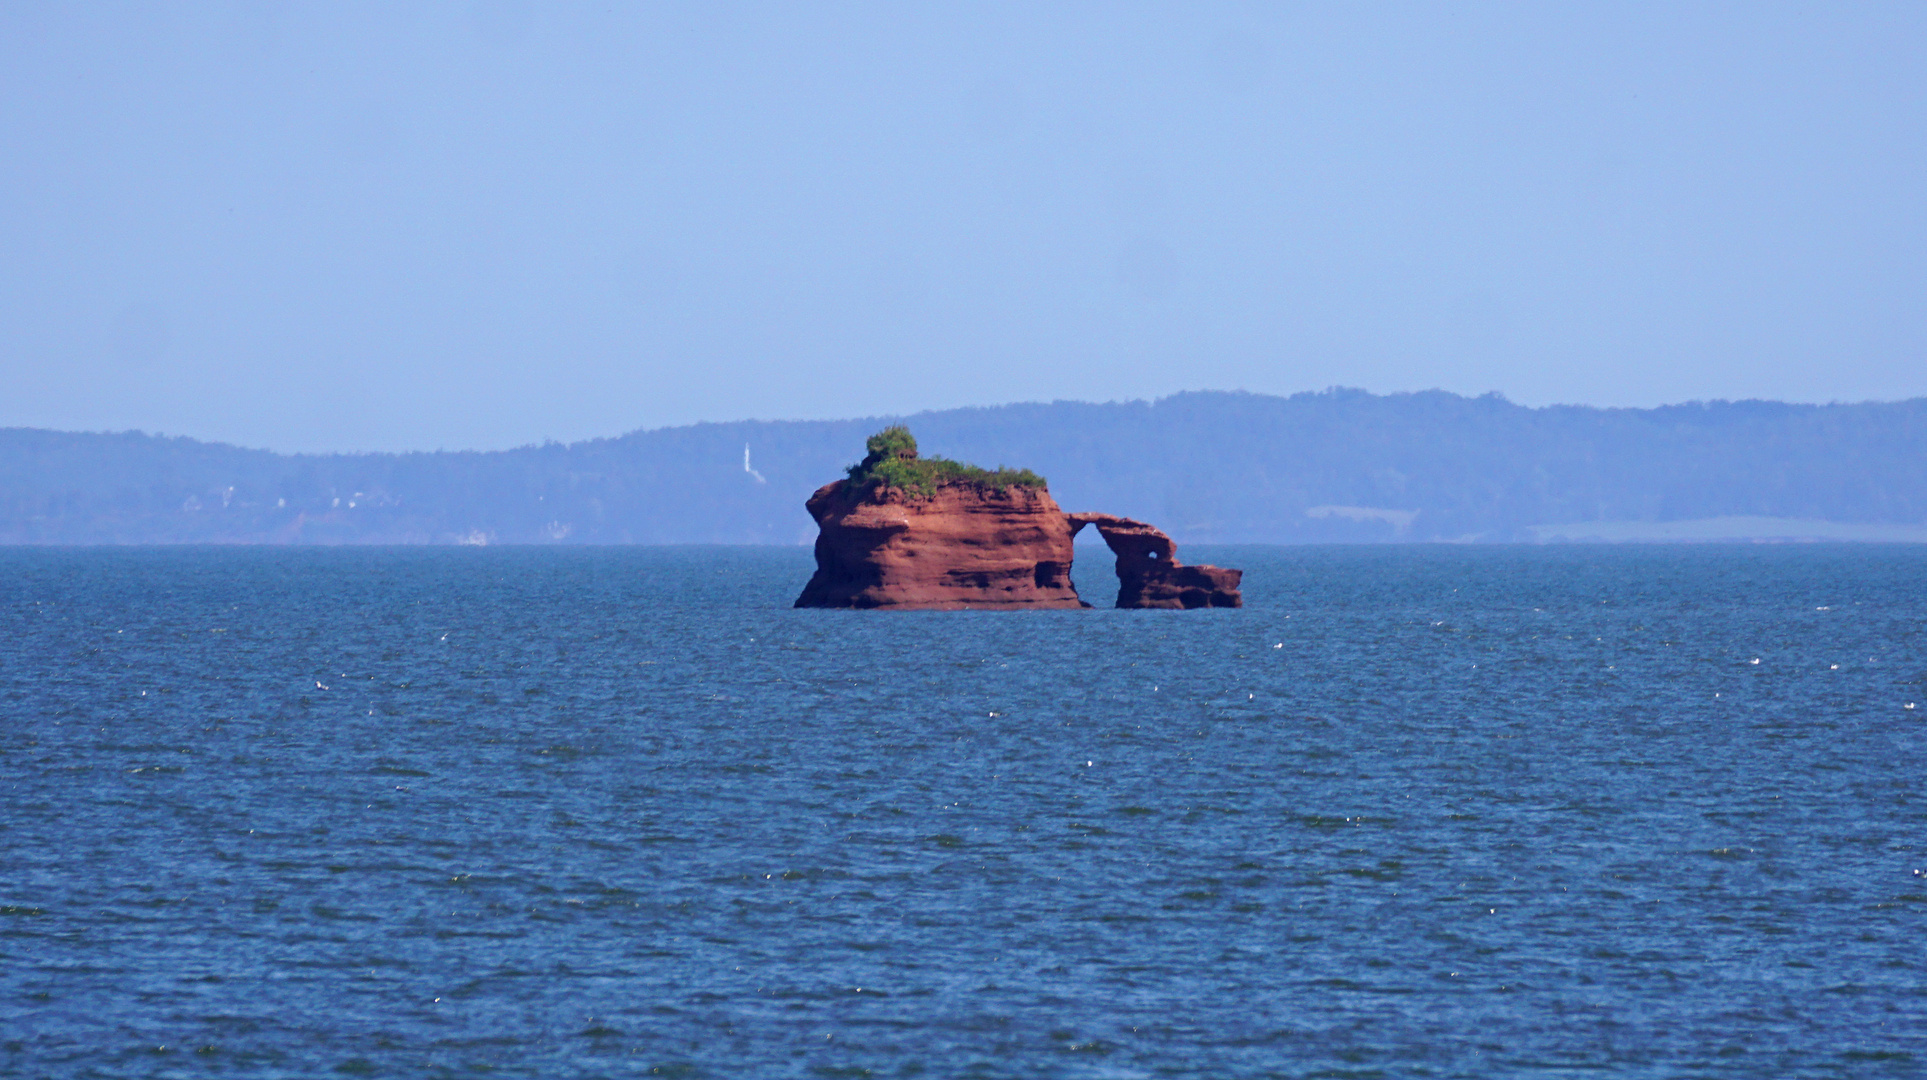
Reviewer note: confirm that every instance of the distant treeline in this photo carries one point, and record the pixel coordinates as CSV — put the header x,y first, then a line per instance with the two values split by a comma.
x,y
1342,465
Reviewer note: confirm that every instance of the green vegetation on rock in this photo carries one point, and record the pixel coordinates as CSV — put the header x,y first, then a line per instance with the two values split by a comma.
x,y
893,462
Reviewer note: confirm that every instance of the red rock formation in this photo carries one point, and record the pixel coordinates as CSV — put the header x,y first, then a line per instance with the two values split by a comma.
x,y
964,545
920,533
1149,574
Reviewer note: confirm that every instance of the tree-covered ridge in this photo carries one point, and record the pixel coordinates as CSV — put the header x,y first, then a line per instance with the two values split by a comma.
x,y
893,462
1337,466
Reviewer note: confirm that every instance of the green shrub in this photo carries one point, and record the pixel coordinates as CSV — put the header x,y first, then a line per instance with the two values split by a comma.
x,y
894,441
892,461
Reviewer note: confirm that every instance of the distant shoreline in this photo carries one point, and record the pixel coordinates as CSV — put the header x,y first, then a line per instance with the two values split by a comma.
x,y
1340,466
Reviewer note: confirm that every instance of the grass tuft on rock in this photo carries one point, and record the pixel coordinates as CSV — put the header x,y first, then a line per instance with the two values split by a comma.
x,y
892,461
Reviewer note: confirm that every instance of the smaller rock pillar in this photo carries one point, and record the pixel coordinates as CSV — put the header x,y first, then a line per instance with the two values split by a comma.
x,y
1149,574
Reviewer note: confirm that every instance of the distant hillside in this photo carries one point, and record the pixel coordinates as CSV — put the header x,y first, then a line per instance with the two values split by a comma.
x,y
1342,465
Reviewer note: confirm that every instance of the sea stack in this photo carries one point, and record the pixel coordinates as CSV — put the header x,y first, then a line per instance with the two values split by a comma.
x,y
914,533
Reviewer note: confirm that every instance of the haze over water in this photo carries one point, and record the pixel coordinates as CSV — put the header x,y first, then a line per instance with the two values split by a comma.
x,y
1631,812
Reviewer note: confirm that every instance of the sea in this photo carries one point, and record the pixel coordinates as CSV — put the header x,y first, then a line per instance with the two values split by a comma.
x,y
1414,811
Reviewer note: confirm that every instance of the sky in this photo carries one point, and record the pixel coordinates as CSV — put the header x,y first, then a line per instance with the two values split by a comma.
x,y
478,225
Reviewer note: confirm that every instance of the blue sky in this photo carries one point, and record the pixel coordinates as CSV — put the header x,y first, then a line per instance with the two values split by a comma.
x,y
477,225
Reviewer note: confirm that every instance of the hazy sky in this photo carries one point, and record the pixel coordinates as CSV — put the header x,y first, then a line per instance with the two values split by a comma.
x,y
484,224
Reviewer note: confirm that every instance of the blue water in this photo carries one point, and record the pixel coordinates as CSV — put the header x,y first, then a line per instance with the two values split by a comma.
x,y
1622,812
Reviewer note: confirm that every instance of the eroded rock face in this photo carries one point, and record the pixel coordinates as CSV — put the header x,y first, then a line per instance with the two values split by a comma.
x,y
907,532
1149,574
964,545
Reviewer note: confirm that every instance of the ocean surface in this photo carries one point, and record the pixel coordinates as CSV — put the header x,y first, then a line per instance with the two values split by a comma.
x,y
1414,812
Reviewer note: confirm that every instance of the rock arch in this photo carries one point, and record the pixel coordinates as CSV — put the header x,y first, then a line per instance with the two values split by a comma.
x,y
1149,574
